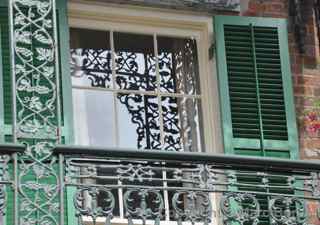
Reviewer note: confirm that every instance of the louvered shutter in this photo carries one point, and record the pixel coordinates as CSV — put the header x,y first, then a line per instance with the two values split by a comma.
x,y
6,111
256,94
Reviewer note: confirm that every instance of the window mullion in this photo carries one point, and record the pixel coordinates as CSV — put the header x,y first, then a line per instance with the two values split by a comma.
x,y
113,68
156,54
140,92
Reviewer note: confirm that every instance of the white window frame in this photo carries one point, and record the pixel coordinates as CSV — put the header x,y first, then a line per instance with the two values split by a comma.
x,y
141,20
134,19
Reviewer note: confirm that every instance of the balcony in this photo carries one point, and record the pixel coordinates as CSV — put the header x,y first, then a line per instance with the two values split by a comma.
x,y
153,187
103,187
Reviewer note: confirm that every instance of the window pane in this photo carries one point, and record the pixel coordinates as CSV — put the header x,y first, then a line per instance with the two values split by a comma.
x,y
181,124
138,121
93,118
135,62
178,65
91,62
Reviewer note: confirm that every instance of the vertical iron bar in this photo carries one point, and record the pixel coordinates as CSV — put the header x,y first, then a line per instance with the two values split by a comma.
x,y
166,196
14,120
15,188
13,74
61,188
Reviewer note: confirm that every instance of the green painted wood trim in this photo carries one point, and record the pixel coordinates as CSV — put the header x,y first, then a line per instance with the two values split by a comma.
x,y
245,21
288,91
254,59
71,211
4,3
281,25
2,127
67,130
4,220
66,87
223,86
255,143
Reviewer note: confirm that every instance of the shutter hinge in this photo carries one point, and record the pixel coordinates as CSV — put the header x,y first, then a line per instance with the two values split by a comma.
x,y
211,51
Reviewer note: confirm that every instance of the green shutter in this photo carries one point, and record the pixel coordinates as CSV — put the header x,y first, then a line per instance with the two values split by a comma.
x,y
6,111
256,94
258,116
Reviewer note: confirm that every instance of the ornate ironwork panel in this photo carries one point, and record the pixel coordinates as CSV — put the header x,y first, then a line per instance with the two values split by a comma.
x,y
36,109
6,179
181,188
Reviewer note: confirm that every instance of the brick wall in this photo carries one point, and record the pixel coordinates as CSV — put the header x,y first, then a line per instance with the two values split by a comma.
x,y
305,66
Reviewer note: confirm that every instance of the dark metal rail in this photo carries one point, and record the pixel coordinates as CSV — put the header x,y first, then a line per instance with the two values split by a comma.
x,y
241,162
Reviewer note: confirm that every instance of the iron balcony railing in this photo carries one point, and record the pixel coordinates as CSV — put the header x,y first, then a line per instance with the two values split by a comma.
x,y
8,173
141,187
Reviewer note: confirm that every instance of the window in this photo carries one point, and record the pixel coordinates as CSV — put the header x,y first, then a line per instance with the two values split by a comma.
x,y
140,86
143,86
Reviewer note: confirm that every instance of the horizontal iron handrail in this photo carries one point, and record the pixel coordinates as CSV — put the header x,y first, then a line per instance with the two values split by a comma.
x,y
10,148
245,162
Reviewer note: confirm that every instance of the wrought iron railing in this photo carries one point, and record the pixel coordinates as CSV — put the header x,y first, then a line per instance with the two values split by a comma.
x,y
137,187
8,174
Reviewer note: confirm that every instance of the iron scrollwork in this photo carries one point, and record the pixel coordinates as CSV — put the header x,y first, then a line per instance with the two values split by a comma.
x,y
287,210
313,184
192,206
37,108
166,189
143,204
242,208
85,202
2,200
4,178
132,172
34,49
